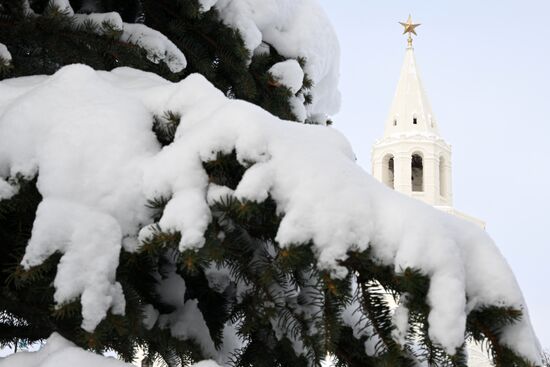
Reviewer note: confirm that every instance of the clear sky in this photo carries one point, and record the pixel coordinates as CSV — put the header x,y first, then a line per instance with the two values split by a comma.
x,y
486,68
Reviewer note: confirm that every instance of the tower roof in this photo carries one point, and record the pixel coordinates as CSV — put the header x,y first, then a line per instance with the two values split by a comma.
x,y
410,111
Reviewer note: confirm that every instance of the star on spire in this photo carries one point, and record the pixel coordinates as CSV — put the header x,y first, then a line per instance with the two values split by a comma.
x,y
410,29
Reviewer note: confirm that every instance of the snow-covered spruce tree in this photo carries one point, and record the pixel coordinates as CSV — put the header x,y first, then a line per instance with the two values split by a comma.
x,y
138,213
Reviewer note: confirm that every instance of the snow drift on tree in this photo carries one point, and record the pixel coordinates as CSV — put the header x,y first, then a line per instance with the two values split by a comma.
x,y
87,134
295,28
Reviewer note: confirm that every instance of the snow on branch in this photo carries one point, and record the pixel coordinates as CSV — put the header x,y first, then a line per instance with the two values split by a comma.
x,y
296,29
289,73
89,138
60,352
5,55
157,46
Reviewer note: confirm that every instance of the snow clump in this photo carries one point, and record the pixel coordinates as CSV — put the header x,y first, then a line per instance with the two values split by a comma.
x,y
59,352
5,56
158,46
289,73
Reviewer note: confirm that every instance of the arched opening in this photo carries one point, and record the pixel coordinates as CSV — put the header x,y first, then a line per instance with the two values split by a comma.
x,y
415,121
388,170
442,177
394,122
417,172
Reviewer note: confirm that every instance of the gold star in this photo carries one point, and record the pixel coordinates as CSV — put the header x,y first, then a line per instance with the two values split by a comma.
x,y
409,26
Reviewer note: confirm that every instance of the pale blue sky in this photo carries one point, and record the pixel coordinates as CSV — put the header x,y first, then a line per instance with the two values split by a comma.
x,y
486,68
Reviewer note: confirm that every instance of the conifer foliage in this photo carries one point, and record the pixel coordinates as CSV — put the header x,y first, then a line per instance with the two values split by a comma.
x,y
281,307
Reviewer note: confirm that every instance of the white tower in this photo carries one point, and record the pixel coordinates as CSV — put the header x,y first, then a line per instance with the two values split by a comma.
x,y
412,157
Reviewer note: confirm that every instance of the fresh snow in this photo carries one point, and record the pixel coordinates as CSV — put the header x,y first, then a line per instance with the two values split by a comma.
x,y
80,233
295,28
289,73
5,55
87,134
6,190
400,320
157,46
361,326
27,10
59,352
207,363
206,5
112,19
186,322
150,316
63,5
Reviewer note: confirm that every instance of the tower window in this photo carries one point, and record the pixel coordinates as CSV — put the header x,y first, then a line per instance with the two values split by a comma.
x,y
395,122
417,173
415,121
388,171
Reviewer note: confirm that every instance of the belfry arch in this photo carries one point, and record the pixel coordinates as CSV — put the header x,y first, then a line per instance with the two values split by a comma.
x,y
388,170
417,172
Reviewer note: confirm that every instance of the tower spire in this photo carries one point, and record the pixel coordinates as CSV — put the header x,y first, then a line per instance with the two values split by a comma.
x,y
410,29
410,111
